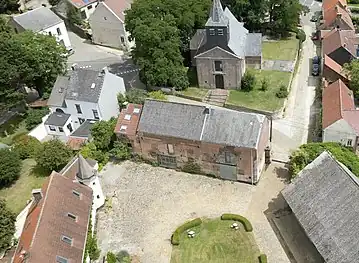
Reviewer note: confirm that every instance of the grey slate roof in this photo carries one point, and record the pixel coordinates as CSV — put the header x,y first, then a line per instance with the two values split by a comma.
x,y
84,130
198,40
217,17
254,44
85,170
57,119
57,97
38,19
185,121
325,199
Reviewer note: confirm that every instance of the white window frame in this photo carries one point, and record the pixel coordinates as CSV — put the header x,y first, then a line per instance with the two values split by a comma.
x,y
220,32
52,128
77,194
170,149
212,32
60,259
72,216
349,142
67,240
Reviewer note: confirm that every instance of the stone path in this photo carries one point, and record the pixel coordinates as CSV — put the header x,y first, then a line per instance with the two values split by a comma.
x,y
216,97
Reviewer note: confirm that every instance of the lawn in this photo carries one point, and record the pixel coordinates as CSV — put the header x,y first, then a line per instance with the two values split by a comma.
x,y
17,194
258,99
216,242
284,49
13,129
194,92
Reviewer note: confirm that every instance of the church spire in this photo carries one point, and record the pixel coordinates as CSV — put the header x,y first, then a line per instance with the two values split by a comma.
x,y
217,17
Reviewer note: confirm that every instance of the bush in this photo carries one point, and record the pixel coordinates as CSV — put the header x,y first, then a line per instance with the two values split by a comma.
x,y
176,235
136,96
123,257
248,81
265,84
245,222
191,167
26,146
282,92
10,167
90,150
54,2
263,258
7,226
301,35
73,15
34,117
157,95
120,151
111,257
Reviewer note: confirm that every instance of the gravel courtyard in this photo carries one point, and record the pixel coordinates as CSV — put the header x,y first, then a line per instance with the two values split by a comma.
x,y
148,203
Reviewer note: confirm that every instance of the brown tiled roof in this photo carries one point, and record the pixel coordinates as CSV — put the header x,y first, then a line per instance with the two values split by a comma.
x,y
81,3
330,15
132,123
339,38
337,68
337,99
76,143
47,222
327,4
118,7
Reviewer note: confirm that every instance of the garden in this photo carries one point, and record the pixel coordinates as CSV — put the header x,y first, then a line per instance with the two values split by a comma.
x,y
283,49
226,239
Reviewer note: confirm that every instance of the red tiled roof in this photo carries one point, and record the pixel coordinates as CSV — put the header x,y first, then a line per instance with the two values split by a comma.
x,y
118,7
339,38
128,119
82,3
327,4
337,68
76,143
330,15
47,222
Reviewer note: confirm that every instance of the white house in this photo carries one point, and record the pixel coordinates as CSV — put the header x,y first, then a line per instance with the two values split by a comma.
x,y
80,99
85,7
42,20
340,118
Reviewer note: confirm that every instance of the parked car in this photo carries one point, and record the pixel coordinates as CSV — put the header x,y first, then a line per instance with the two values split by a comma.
x,y
314,19
316,66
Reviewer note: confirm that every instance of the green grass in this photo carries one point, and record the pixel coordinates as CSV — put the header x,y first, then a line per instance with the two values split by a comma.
x,y
284,49
261,100
216,242
17,194
194,92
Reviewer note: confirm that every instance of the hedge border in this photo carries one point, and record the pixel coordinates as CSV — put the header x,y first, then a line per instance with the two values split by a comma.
x,y
176,235
262,258
245,222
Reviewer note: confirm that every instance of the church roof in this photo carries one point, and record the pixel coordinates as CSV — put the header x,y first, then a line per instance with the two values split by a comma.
x,y
217,17
85,171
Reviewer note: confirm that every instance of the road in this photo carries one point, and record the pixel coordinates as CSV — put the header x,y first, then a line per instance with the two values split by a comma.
x,y
292,130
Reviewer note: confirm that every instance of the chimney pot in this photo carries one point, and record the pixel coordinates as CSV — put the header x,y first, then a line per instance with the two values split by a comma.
x,y
339,15
37,194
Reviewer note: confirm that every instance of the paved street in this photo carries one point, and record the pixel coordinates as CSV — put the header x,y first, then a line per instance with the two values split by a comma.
x,y
292,131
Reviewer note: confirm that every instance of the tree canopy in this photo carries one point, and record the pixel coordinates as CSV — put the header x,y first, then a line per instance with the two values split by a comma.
x,y
7,226
10,167
102,133
352,70
8,6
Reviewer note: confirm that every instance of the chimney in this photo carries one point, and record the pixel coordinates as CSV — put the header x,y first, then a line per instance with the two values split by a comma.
x,y
339,15
37,195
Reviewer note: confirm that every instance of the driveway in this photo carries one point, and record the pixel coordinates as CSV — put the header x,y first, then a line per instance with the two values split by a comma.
x,y
147,203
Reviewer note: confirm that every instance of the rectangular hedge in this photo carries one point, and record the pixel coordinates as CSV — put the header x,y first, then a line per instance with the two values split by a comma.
x,y
176,235
262,258
247,225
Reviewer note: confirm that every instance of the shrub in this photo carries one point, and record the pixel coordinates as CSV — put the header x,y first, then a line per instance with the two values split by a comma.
x,y
103,134
120,150
248,81
265,84
282,92
26,146
245,222
7,226
301,35
121,99
123,257
54,2
34,117
73,14
262,258
176,235
191,167
137,96
111,257
157,95
90,150
10,167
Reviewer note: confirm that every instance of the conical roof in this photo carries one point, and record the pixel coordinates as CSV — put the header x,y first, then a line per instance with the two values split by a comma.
x,y
217,16
85,170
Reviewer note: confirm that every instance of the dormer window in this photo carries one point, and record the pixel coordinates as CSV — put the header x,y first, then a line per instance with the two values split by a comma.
x,y
220,32
212,31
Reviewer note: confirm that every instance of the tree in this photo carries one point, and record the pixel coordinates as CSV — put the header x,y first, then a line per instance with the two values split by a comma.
x,y
34,117
157,95
121,99
282,92
92,248
120,150
53,155
265,84
90,151
54,2
73,15
5,26
8,6
136,96
352,70
10,167
26,146
7,226
308,152
248,81
103,134
111,257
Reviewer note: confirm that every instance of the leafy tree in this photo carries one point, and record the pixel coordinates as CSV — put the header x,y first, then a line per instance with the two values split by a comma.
x,y
282,92
92,248
121,99
248,81
120,150
5,26
34,117
308,152
136,96
8,6
111,257
265,84
90,151
102,133
7,226
26,146
53,155
352,70
157,95
73,15
54,2
10,167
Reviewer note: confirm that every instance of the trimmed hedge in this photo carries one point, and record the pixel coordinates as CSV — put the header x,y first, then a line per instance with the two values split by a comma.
x,y
176,235
262,258
247,225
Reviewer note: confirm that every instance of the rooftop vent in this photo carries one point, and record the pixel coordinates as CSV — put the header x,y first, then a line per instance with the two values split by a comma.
x,y
93,85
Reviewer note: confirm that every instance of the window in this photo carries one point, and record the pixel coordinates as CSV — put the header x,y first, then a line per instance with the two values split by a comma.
x,y
58,31
211,32
218,66
78,108
220,32
89,7
227,157
170,148
52,128
77,194
122,39
61,129
136,110
50,34
123,127
67,240
72,216
81,120
61,259
167,161
350,142
127,117
95,114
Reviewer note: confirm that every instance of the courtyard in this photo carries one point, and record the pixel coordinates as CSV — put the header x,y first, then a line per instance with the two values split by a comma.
x,y
146,204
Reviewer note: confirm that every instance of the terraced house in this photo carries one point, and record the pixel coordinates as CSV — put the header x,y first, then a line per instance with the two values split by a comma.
x,y
225,143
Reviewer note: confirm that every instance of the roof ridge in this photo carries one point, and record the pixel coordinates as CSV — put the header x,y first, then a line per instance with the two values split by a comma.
x,y
176,102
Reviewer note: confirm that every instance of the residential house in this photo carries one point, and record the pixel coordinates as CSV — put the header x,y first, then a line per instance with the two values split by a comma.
x,y
108,24
332,71
42,20
336,17
228,144
324,198
340,45
340,118
84,7
56,225
81,98
222,51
